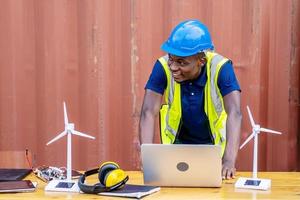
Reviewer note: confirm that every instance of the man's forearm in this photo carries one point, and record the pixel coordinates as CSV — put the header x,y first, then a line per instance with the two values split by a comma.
x,y
233,132
147,128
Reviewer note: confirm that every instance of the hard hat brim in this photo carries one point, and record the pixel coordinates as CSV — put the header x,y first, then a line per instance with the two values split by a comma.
x,y
165,47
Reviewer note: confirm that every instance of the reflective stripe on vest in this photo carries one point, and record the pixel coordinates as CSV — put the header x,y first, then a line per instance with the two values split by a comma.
x,y
170,113
168,98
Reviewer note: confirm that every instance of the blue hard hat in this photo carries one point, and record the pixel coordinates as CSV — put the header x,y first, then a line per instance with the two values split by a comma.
x,y
188,38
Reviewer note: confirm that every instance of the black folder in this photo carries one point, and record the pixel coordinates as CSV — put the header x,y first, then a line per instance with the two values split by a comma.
x,y
132,191
13,174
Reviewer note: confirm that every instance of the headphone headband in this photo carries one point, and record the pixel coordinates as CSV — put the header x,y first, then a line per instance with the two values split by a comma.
x,y
91,172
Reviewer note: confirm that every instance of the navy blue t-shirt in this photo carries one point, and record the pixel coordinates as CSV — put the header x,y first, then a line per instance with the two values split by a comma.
x,y
195,126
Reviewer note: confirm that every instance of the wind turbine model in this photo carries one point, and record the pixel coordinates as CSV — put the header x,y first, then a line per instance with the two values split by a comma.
x,y
67,185
254,182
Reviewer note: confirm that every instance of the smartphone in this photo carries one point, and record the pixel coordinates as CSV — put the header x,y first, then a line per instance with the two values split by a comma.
x,y
17,186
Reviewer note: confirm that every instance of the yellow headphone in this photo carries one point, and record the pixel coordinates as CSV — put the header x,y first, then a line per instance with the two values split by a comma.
x,y
110,175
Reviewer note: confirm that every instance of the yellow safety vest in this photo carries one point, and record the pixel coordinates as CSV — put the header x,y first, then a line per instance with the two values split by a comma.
x,y
170,113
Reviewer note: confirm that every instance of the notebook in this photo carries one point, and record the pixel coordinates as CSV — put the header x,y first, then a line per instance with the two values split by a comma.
x,y
180,165
13,174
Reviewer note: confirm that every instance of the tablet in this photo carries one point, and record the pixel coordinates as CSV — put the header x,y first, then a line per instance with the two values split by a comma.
x,y
17,186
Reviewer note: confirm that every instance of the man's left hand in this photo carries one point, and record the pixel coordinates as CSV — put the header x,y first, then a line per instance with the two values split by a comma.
x,y
228,170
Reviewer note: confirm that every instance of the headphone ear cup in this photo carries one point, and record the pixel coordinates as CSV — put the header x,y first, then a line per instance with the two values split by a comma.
x,y
114,177
105,168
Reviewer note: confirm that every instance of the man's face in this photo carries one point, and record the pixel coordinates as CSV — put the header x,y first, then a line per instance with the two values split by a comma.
x,y
185,68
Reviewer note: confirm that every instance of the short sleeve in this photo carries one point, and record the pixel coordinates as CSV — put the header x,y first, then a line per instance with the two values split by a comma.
x,y
227,80
157,81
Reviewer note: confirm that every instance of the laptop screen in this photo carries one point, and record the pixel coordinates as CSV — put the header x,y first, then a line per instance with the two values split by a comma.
x,y
13,174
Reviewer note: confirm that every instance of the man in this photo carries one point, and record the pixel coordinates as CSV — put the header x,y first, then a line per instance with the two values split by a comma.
x,y
201,93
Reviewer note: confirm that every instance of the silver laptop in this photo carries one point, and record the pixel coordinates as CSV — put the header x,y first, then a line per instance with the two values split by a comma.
x,y
179,165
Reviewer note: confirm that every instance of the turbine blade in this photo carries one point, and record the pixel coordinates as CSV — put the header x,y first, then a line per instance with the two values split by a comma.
x,y
250,116
57,137
65,114
247,140
82,134
270,131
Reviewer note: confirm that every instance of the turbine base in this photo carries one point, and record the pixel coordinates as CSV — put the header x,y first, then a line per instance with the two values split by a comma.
x,y
62,186
253,183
